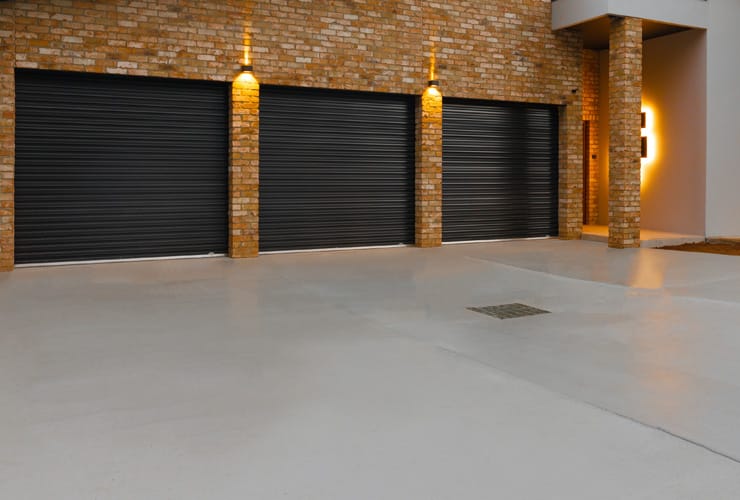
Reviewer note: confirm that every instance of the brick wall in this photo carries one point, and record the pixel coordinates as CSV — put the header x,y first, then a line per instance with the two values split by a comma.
x,y
7,135
492,50
244,168
168,38
428,188
591,77
625,102
374,45
502,50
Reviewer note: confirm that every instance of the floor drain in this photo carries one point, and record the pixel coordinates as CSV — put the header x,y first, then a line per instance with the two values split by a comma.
x,y
508,311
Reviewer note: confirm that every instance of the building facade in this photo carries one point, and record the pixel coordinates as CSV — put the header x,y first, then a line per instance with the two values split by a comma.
x,y
148,128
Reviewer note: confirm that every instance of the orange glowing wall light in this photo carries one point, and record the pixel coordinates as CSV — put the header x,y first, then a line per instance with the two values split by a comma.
x,y
649,142
433,84
433,65
247,59
246,77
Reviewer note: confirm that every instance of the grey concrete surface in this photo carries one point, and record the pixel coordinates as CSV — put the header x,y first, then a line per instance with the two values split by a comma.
x,y
361,375
649,238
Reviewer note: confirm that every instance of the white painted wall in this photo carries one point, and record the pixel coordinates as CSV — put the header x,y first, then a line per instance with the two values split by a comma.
x,y
723,119
692,13
674,86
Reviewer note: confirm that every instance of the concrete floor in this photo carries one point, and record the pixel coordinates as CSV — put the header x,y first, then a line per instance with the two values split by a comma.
x,y
361,375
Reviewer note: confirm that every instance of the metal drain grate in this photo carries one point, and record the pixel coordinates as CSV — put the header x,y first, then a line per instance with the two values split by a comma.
x,y
508,311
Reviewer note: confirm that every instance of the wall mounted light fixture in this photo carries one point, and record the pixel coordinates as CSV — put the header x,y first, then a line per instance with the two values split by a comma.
x,y
434,83
246,79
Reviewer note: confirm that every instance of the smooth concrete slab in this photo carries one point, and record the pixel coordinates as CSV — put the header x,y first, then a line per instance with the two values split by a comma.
x,y
362,375
649,238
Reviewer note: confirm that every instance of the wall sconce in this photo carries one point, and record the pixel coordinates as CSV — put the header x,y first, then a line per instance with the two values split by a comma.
x,y
246,77
246,63
433,82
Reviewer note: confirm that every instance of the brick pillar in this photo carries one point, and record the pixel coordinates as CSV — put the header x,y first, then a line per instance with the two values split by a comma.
x,y
625,101
7,137
244,168
429,169
570,191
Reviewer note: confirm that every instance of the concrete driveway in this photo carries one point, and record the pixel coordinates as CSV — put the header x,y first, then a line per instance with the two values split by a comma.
x,y
362,375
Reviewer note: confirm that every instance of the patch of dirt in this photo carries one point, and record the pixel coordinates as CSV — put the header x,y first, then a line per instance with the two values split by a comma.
x,y
719,246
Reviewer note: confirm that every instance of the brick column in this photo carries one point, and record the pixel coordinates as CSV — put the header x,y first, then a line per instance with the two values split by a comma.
x,y
570,191
625,102
7,137
429,169
244,168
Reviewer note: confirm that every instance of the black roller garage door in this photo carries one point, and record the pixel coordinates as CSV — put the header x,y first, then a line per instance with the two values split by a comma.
x,y
336,169
111,167
500,169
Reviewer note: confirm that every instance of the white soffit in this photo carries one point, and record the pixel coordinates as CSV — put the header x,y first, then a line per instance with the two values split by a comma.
x,y
689,13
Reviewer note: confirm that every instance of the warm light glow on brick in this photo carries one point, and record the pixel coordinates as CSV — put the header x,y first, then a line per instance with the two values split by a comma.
x,y
428,191
433,92
247,40
433,64
246,78
244,167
